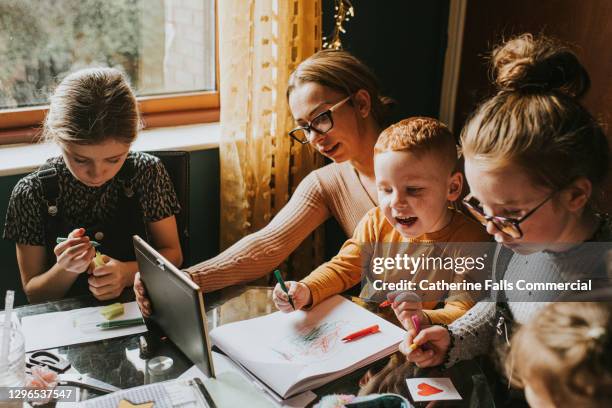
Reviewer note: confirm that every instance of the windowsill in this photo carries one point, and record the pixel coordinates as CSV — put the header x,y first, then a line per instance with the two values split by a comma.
x,y
25,158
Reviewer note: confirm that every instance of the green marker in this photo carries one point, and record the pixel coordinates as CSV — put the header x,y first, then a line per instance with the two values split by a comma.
x,y
281,282
94,244
116,324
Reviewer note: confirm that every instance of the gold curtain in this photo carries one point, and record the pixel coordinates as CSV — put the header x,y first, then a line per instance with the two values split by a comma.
x,y
260,43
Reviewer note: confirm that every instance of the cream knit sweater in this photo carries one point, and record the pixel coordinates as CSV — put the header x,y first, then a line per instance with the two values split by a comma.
x,y
333,190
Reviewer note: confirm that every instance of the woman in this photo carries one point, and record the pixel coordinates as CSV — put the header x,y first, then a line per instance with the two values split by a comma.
x,y
336,104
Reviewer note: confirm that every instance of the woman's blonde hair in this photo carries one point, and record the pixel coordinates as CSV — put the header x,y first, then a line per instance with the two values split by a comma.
x,y
341,71
90,106
536,120
568,347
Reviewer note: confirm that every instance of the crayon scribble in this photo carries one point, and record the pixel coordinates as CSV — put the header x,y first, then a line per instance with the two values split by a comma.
x,y
311,343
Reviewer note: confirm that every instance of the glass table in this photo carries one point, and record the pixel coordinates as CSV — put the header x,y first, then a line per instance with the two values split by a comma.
x,y
117,361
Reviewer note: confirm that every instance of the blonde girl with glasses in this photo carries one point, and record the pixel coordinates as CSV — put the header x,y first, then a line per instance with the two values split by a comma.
x,y
338,110
534,158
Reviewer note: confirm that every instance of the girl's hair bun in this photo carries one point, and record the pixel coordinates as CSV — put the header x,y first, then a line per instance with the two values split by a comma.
x,y
538,64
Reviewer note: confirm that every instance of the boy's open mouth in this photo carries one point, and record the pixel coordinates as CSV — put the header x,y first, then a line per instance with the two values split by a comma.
x,y
407,221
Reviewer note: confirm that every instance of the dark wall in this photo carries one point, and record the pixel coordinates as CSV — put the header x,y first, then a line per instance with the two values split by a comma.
x,y
583,24
404,43
203,223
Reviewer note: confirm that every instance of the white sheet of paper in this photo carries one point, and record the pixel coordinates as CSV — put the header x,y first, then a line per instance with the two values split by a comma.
x,y
77,326
224,365
292,352
423,386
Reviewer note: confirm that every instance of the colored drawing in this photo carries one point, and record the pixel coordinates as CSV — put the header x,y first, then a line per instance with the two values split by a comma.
x,y
312,343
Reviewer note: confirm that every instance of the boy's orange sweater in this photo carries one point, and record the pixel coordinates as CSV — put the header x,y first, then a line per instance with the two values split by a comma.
x,y
344,270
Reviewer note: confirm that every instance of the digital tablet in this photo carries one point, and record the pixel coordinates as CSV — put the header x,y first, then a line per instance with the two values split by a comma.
x,y
178,306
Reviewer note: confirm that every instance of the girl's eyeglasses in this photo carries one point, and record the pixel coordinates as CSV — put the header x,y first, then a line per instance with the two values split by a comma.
x,y
509,226
322,123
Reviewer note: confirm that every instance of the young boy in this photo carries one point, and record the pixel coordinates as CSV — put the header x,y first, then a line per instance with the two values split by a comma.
x,y
415,164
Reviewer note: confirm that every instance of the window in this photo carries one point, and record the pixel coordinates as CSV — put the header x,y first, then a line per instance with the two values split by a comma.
x,y
167,48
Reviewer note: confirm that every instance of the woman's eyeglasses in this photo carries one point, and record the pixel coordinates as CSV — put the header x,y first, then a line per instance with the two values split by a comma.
x,y
509,226
322,123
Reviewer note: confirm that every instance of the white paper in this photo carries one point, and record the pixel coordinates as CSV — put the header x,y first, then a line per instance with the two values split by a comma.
x,y
296,351
224,365
77,326
437,388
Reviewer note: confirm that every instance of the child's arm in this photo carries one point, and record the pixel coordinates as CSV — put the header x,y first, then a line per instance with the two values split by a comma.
x,y
108,281
452,310
73,257
165,239
344,270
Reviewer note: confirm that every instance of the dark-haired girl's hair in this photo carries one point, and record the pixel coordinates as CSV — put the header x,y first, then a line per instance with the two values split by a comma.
x,y
90,106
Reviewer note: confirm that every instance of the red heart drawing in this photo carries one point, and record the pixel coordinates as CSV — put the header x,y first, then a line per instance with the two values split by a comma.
x,y
425,390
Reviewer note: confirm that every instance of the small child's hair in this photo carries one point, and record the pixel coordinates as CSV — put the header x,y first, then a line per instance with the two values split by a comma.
x,y
91,106
419,134
536,120
567,346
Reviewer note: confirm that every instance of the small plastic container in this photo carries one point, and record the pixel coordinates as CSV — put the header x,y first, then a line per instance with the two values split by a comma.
x,y
15,375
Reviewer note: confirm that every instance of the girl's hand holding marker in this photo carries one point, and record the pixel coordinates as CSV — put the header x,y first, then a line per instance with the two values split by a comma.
x,y
76,252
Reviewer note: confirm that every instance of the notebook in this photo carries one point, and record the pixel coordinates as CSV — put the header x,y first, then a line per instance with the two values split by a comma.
x,y
302,350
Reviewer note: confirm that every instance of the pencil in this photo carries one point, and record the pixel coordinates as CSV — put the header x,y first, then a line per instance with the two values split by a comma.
x,y
281,282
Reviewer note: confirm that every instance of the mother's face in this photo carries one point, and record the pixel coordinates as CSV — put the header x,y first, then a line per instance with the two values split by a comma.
x,y
341,142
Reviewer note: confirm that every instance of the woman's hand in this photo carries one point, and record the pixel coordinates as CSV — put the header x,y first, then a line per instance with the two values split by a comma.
x,y
438,340
299,292
107,281
76,253
141,296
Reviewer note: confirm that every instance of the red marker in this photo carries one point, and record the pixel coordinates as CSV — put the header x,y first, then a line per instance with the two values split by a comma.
x,y
386,303
361,333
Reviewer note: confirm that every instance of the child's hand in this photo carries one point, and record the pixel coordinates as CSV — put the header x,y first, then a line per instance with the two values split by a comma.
x,y
405,305
107,281
76,253
299,292
141,296
438,339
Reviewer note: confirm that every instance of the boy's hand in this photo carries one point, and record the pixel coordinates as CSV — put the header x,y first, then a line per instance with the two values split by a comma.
x,y
299,292
438,339
107,281
405,305
76,253
141,296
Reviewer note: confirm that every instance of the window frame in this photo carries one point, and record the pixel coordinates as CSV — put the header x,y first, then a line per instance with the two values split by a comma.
x,y
23,125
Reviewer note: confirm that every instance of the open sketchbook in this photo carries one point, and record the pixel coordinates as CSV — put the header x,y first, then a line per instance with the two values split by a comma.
x,y
298,351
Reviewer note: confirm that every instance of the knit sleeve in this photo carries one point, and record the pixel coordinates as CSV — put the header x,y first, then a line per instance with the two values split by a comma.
x,y
472,333
258,253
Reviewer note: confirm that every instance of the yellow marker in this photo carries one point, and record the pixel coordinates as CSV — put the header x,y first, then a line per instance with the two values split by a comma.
x,y
413,347
98,261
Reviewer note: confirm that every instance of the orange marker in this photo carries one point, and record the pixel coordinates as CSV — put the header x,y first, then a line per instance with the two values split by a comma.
x,y
361,333
386,303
